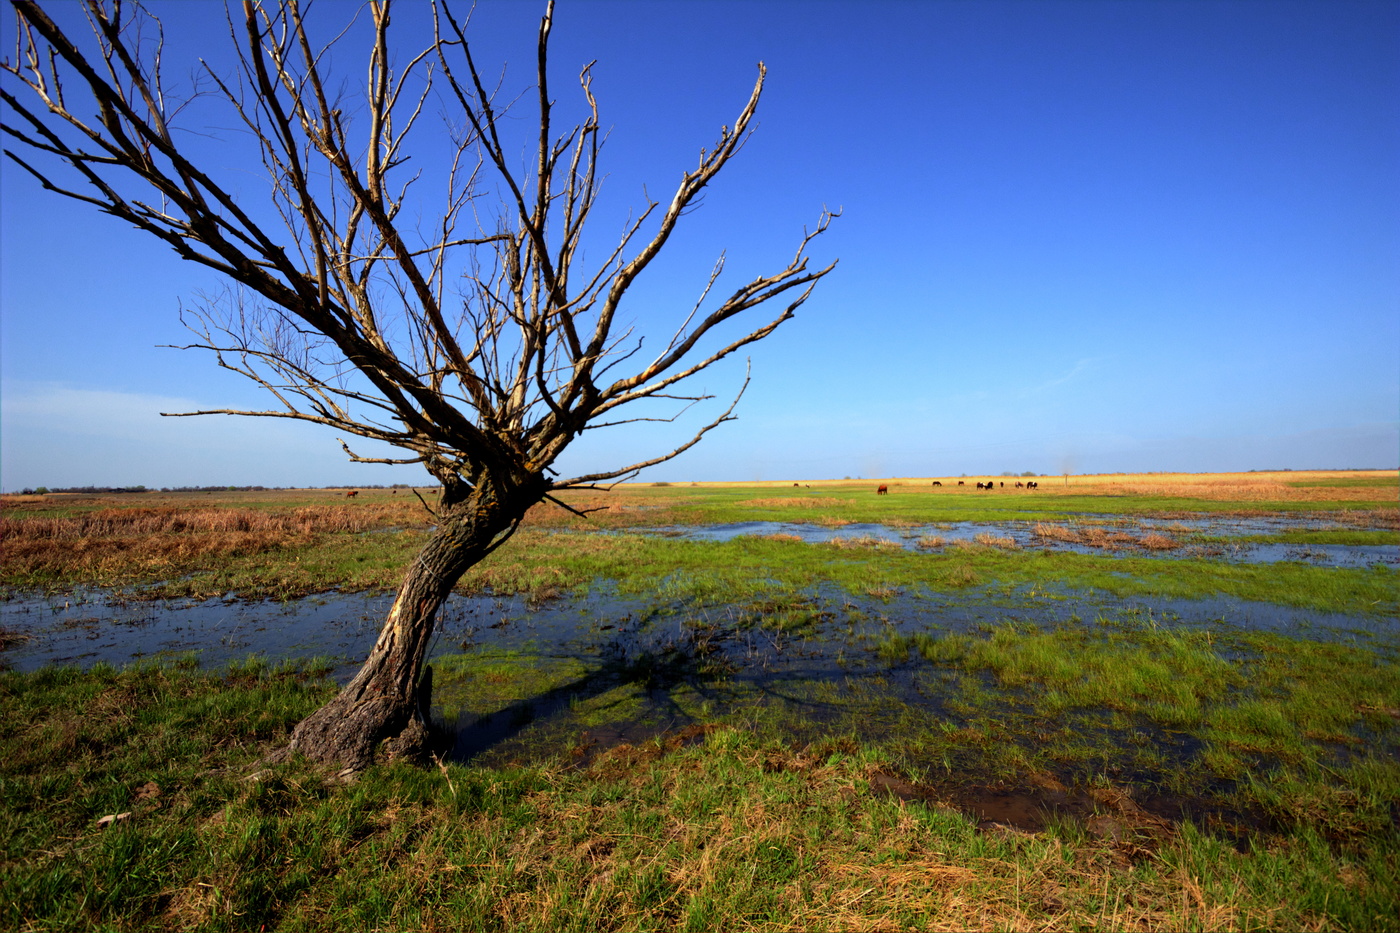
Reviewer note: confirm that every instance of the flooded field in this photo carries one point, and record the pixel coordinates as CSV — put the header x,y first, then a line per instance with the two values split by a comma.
x,y
920,636
1211,538
824,626
519,679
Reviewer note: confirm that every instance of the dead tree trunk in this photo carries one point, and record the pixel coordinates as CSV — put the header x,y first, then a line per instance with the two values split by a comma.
x,y
345,313
387,702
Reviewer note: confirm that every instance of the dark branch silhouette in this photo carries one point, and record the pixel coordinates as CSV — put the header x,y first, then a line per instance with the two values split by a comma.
x,y
473,339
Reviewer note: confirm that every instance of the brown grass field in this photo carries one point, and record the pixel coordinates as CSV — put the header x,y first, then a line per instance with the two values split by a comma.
x,y
1280,486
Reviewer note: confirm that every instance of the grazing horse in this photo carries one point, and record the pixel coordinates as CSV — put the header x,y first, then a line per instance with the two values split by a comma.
x,y
937,483
980,486
352,494
961,483
883,490
1018,485
1032,485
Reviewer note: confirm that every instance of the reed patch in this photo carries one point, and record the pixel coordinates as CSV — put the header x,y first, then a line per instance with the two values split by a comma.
x,y
1107,538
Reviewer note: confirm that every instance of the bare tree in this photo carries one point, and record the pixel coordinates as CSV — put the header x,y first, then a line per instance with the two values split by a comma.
x,y
476,340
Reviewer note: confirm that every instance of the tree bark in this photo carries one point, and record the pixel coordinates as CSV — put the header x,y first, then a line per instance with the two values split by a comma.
x,y
387,701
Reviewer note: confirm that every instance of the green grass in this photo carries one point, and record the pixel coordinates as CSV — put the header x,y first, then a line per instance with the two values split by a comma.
x,y
1324,715
739,832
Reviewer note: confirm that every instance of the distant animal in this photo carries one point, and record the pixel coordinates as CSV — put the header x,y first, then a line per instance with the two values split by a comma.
x,y
937,483
1018,485
352,494
961,483
883,490
797,484
980,485
1003,485
1032,485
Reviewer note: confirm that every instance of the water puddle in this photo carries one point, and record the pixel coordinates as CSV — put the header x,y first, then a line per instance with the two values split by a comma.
x,y
88,627
573,678
1162,538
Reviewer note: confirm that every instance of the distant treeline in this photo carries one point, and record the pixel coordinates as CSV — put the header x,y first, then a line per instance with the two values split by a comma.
x,y
108,490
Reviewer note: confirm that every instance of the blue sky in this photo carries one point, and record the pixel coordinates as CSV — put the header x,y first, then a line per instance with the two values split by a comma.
x,y
1091,237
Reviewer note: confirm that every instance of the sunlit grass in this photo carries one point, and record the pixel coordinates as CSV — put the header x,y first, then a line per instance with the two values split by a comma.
x,y
1326,713
738,832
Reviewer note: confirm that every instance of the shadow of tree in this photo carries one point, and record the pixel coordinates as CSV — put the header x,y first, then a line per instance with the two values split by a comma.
x,y
657,673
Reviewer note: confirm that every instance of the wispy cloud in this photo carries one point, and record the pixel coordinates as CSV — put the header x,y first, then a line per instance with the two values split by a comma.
x,y
59,434
58,407
1076,372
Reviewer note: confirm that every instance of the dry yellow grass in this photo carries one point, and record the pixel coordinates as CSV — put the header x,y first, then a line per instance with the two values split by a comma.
x,y
1275,487
141,522
864,541
1002,541
1258,487
102,540
1271,486
1092,536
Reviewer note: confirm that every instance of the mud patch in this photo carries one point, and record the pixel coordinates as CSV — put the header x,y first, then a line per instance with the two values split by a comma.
x,y
9,638
1131,819
611,747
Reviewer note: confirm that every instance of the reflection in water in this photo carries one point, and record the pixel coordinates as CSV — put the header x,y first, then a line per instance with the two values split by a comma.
x,y
632,668
95,626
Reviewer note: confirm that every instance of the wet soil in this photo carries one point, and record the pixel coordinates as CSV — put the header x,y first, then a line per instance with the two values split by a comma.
x,y
1133,820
